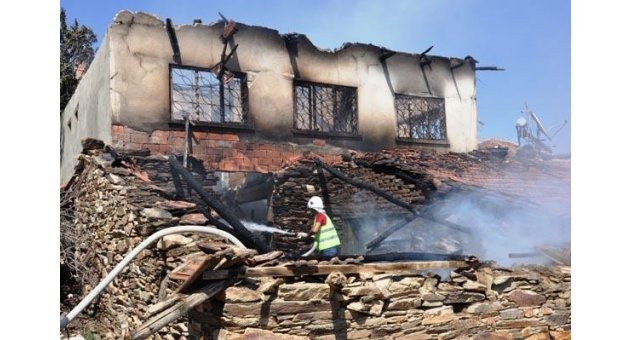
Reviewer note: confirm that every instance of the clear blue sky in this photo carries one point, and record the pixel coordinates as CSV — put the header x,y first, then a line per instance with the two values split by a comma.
x,y
531,39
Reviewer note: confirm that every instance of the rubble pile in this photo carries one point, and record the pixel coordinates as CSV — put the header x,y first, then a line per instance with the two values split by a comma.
x,y
295,185
544,180
528,302
417,178
116,201
438,171
114,208
412,176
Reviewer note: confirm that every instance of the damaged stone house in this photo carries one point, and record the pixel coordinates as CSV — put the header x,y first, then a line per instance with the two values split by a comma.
x,y
258,115
279,95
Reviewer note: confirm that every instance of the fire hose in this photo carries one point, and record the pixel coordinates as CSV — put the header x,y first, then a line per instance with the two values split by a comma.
x,y
313,247
65,320
310,251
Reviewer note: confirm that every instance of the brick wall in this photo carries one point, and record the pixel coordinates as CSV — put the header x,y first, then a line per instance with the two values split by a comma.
x,y
224,151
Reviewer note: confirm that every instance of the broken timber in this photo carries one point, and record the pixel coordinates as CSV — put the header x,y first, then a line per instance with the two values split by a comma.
x,y
177,57
385,234
365,186
324,186
424,214
180,309
249,239
383,267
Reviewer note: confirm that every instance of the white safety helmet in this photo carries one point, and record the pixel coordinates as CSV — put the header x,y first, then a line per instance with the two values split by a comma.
x,y
316,203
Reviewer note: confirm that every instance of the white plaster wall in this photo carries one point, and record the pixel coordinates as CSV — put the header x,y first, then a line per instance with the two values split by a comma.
x,y
88,113
141,53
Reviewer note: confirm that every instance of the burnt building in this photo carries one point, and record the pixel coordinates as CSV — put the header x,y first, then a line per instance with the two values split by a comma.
x,y
256,98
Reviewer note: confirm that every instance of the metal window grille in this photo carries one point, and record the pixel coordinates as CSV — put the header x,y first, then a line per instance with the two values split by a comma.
x,y
198,93
421,117
325,108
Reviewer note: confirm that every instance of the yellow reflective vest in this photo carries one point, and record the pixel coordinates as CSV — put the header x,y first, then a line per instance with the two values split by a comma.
x,y
327,235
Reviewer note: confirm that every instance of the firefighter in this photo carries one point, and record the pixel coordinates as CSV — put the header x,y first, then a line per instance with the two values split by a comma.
x,y
323,229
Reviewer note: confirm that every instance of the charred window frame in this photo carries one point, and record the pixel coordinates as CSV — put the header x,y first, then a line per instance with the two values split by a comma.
x,y
326,109
197,92
420,118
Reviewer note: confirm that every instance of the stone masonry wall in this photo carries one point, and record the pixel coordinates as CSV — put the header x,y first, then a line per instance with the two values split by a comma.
x,y
113,211
529,302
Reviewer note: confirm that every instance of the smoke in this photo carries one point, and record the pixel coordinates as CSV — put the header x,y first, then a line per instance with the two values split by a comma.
x,y
502,225
375,217
367,228
498,224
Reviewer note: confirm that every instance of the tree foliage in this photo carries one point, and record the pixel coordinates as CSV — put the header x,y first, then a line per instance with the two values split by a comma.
x,y
76,44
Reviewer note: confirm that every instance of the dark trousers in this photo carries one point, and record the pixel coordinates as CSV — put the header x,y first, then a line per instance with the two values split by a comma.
x,y
330,251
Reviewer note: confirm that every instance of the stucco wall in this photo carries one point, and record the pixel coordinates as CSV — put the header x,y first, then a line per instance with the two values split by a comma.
x,y
141,52
88,113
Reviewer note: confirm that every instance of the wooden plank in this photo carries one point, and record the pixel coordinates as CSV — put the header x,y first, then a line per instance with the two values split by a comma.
x,y
162,314
190,271
270,256
250,240
189,268
180,309
385,234
163,305
383,267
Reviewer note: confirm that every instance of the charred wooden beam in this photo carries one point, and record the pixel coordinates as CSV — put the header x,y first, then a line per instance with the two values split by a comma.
x,y
220,225
229,55
224,60
220,79
489,68
187,145
460,63
385,234
423,214
228,31
249,239
424,53
428,216
365,186
324,187
416,213
173,39
424,59
385,54
180,309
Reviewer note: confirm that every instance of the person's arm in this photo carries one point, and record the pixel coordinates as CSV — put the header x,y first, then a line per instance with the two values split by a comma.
x,y
314,228
317,224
